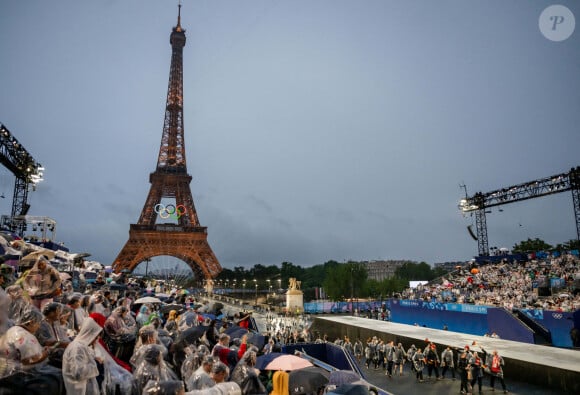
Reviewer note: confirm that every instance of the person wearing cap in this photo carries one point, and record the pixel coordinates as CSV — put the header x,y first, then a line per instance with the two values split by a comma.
x,y
42,282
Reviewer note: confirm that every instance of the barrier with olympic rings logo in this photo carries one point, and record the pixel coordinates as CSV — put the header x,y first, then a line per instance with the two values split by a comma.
x,y
170,211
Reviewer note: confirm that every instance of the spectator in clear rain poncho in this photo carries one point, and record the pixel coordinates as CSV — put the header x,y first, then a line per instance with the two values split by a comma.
x,y
152,367
147,337
20,351
5,318
193,359
78,313
171,324
20,348
121,336
187,320
79,362
18,303
42,282
168,387
201,378
245,374
143,315
51,333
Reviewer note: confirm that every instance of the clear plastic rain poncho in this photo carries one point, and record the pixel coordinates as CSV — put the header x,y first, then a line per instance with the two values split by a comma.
x,y
193,359
147,336
79,368
200,378
17,303
226,388
168,387
4,313
246,375
18,344
152,367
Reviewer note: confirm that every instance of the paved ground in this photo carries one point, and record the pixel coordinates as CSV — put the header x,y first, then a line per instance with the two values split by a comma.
x,y
407,384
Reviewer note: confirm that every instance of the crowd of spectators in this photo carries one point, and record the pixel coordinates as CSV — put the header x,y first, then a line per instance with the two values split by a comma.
x,y
513,285
54,340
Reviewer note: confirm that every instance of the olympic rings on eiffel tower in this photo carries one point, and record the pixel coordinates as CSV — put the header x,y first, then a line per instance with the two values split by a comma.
x,y
170,211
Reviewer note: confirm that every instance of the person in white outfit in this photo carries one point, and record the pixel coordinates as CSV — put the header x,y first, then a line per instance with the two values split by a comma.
x,y
79,363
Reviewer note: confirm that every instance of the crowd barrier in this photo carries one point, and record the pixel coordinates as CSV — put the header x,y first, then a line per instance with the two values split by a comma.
x,y
465,318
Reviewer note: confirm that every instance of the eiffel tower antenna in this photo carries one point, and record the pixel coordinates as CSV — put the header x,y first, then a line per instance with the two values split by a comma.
x,y
183,237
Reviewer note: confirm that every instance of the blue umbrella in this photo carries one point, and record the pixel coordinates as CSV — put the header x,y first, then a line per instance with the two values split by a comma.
x,y
256,339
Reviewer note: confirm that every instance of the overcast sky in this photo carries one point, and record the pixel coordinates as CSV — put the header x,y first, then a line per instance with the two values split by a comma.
x,y
315,129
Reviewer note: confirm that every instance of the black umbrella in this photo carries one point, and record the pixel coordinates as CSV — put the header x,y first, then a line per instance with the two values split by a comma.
x,y
191,335
351,389
168,307
307,380
236,331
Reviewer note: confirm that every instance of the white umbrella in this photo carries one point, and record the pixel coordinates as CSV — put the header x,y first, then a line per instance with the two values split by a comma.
x,y
147,299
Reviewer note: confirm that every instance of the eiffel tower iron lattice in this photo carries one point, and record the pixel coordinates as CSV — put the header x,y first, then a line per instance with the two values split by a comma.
x,y
184,238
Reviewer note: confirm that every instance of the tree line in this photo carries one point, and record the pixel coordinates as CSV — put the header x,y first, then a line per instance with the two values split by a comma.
x,y
347,280
338,280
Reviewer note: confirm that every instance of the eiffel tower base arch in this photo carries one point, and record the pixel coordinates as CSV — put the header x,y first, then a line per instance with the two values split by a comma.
x,y
186,243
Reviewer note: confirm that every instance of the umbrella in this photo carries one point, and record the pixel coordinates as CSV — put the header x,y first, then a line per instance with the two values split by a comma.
x,y
147,299
351,389
254,338
168,307
288,362
236,331
307,380
191,335
265,359
33,256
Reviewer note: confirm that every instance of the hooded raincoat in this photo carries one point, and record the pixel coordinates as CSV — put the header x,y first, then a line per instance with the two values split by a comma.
x,y
79,368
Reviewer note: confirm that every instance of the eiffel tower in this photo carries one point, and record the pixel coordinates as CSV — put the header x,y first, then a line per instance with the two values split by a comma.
x,y
183,238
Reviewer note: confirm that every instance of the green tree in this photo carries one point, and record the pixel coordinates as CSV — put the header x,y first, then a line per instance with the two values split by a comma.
x,y
530,245
345,280
411,271
573,244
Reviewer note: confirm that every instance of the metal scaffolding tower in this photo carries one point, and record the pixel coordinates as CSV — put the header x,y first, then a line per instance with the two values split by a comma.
x,y
558,183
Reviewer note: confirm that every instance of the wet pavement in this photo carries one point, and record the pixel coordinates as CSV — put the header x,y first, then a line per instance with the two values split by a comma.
x,y
407,384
